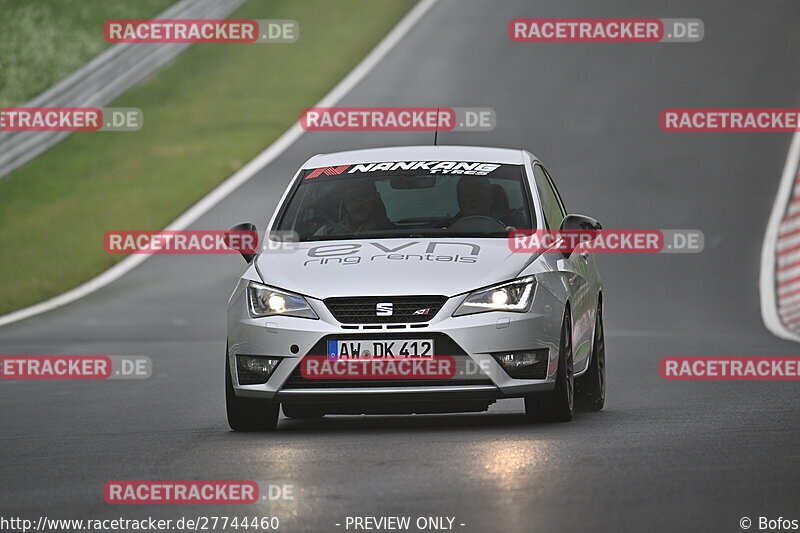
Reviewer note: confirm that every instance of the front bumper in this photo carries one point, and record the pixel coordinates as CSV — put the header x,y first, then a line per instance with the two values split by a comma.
x,y
471,337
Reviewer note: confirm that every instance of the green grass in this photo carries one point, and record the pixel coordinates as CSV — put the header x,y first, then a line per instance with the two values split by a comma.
x,y
205,116
46,40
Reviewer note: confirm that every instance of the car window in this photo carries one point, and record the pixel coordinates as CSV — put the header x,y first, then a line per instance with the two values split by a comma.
x,y
552,207
399,202
555,190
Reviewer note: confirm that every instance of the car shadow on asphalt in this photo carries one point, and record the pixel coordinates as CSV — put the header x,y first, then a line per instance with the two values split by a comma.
x,y
333,424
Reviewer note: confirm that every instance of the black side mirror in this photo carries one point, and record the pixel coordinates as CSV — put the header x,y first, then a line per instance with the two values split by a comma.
x,y
244,239
580,223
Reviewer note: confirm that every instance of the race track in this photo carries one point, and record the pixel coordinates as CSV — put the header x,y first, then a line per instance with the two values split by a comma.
x,y
662,456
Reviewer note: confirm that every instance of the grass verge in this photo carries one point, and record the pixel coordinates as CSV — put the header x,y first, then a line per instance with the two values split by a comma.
x,y
46,40
205,116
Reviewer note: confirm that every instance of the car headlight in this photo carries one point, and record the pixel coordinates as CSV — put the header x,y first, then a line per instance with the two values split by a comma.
x,y
268,301
510,296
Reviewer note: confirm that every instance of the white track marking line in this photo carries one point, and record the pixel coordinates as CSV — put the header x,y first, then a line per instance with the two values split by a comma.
x,y
240,177
769,309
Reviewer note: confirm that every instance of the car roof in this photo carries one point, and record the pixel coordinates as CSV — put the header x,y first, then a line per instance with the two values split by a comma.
x,y
419,153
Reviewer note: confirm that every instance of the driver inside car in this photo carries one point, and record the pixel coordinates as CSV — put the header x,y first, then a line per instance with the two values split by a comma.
x,y
362,210
476,197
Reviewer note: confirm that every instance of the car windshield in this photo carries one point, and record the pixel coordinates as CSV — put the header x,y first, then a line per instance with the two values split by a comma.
x,y
483,200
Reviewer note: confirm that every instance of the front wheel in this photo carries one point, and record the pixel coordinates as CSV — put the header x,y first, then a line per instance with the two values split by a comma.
x,y
590,391
248,414
558,404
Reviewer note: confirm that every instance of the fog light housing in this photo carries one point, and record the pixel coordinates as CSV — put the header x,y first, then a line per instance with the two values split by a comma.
x,y
524,364
255,369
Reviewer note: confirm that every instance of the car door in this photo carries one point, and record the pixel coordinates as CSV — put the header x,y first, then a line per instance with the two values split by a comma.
x,y
577,269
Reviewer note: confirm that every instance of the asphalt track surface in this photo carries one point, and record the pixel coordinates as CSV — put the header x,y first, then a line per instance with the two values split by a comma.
x,y
662,456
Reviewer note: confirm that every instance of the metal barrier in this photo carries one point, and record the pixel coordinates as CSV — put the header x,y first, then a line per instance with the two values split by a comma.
x,y
104,78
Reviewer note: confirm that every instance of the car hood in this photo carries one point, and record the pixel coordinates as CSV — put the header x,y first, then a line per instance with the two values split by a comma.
x,y
390,267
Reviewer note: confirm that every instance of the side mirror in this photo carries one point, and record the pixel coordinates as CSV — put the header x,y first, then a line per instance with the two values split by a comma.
x,y
236,239
580,223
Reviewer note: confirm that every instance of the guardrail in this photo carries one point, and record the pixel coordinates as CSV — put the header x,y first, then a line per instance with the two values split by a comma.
x,y
102,79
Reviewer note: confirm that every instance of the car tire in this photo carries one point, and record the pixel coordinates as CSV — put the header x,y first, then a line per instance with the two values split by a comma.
x,y
302,411
248,414
590,388
556,405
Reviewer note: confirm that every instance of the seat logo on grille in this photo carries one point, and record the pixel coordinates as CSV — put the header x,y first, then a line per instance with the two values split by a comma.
x,y
384,309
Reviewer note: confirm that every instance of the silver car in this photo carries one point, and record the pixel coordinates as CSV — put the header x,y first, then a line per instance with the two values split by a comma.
x,y
386,283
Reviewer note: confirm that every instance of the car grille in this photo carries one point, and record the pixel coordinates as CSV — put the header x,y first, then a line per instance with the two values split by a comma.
x,y
363,309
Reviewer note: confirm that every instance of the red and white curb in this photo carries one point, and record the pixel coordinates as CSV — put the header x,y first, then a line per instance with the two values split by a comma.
x,y
780,256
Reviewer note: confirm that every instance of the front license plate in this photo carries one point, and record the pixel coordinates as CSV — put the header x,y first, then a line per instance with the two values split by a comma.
x,y
389,349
